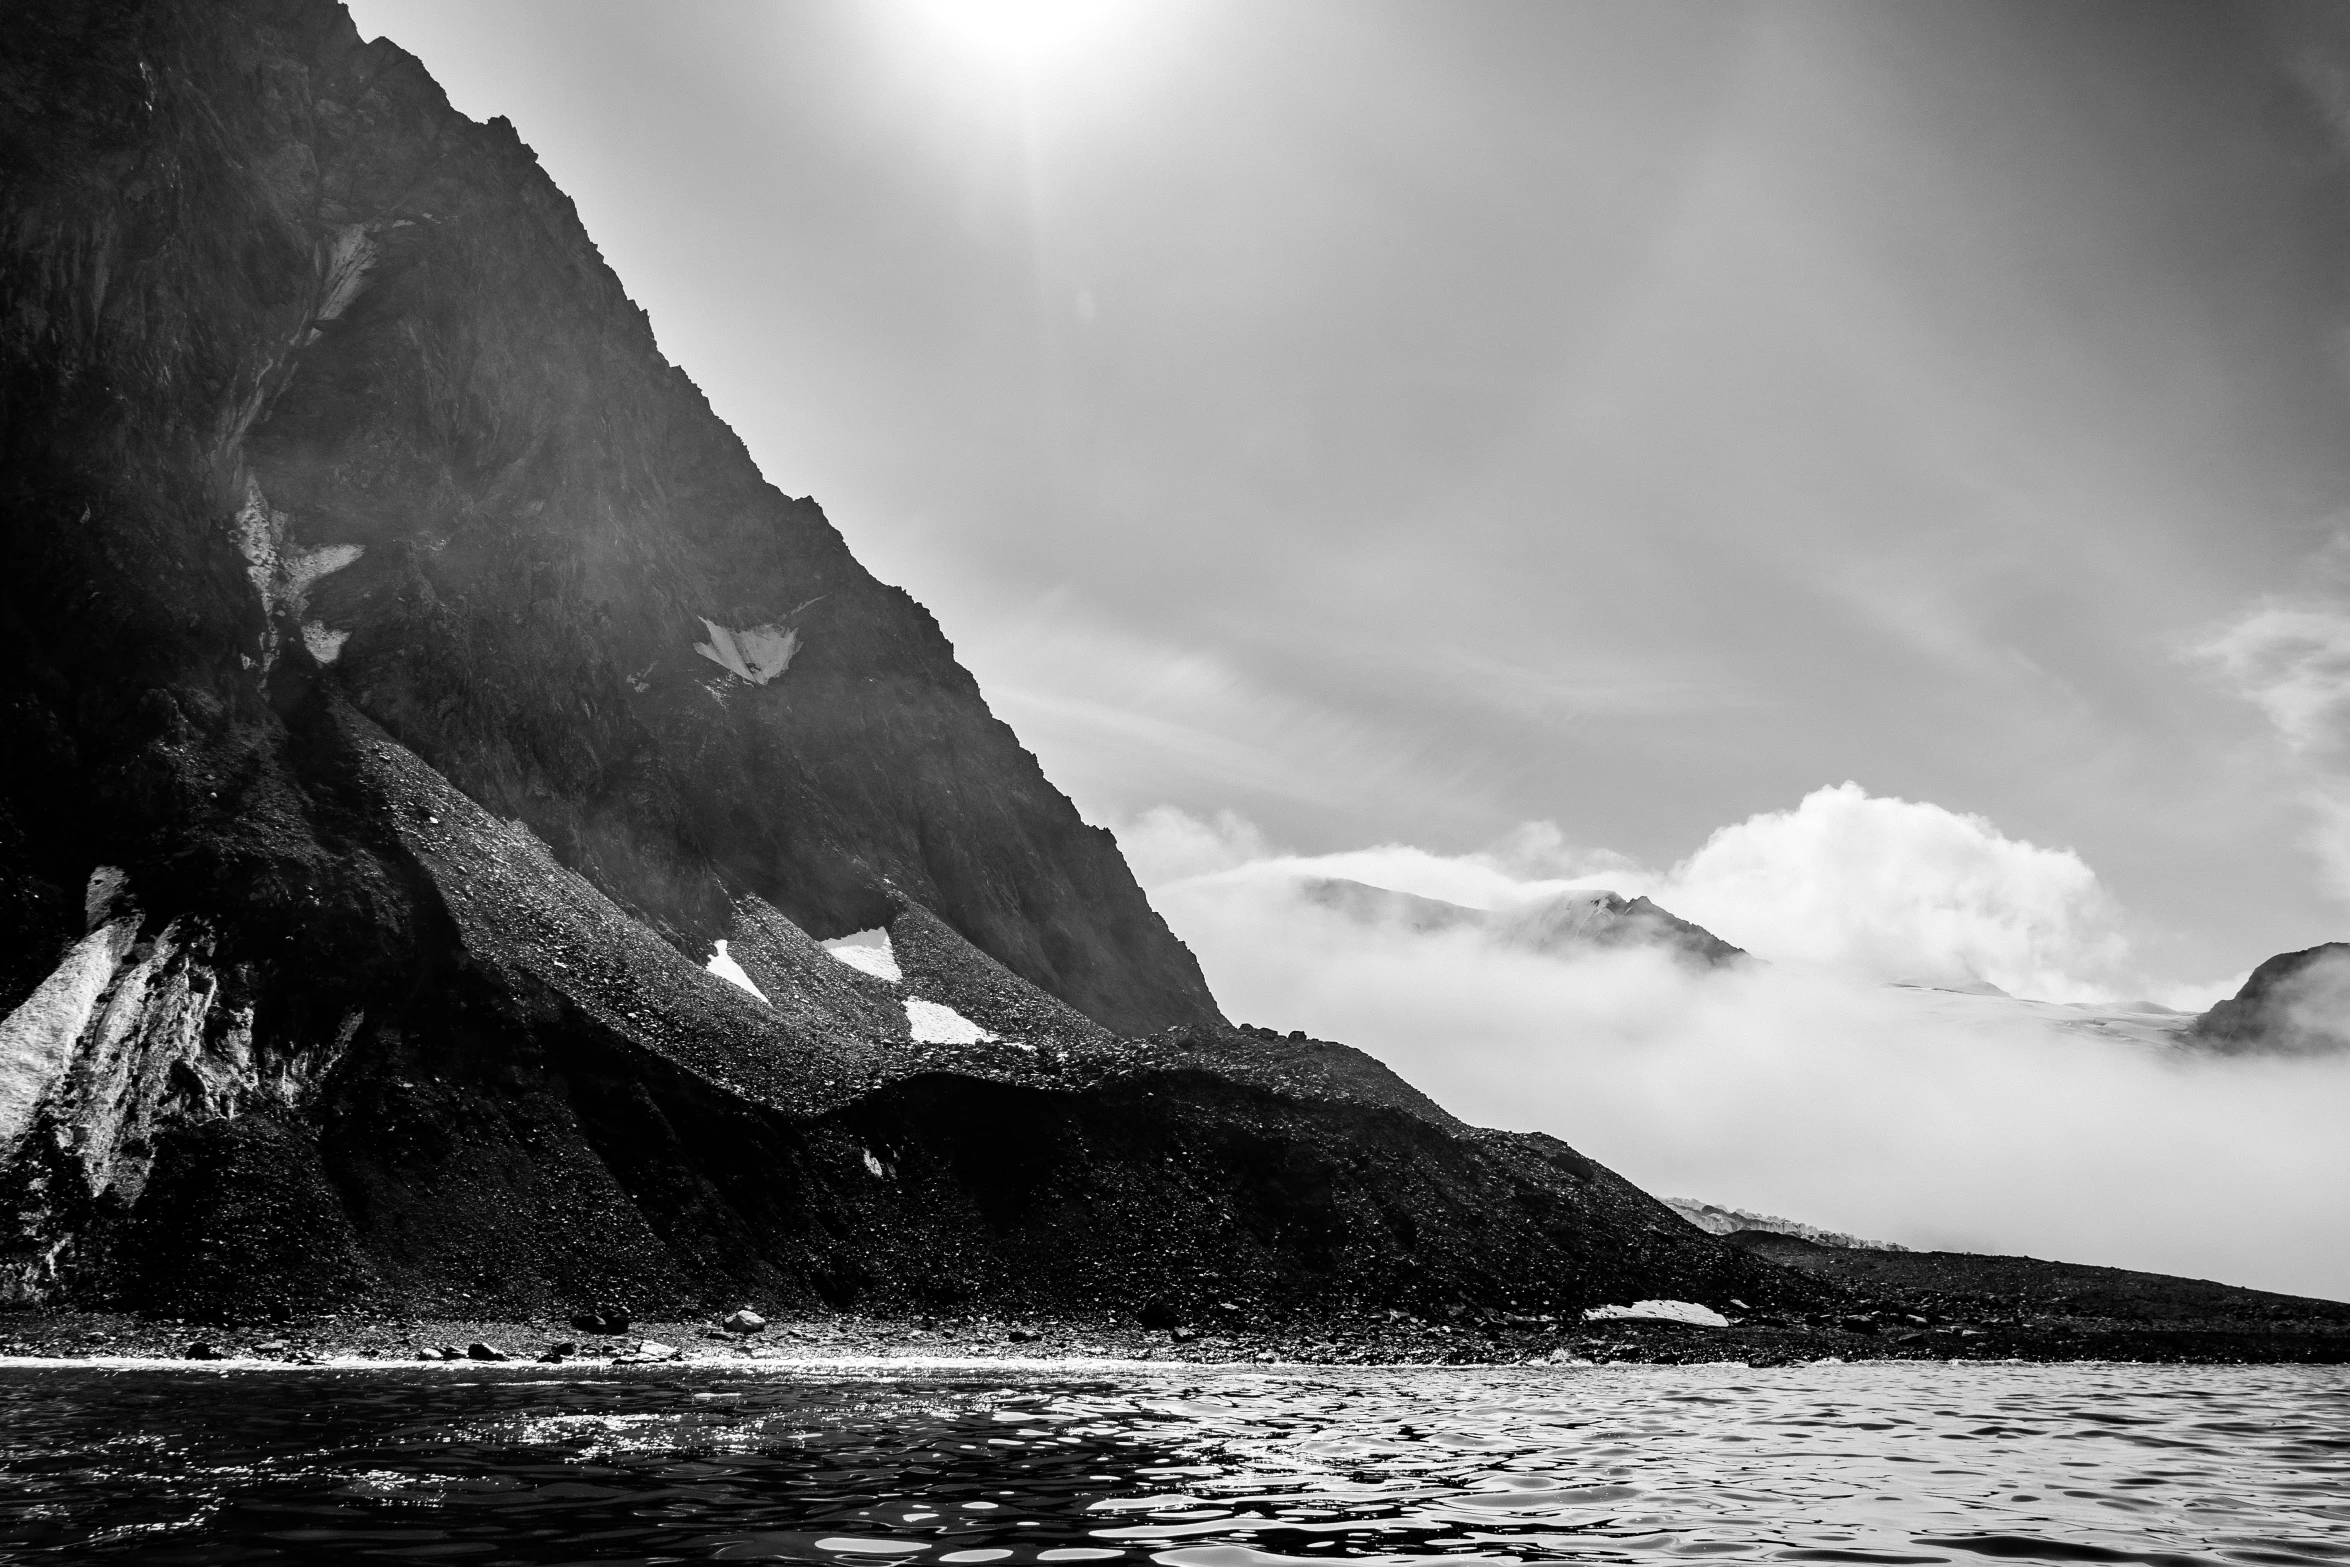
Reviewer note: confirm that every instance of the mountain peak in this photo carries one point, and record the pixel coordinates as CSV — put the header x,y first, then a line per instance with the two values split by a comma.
x,y
1567,923
2296,1003
410,680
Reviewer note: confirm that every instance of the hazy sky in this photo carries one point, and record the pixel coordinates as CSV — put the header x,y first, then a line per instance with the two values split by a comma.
x,y
1400,422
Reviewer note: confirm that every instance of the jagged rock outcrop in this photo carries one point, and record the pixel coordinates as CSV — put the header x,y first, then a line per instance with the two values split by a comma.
x,y
2296,1003
1560,926
407,680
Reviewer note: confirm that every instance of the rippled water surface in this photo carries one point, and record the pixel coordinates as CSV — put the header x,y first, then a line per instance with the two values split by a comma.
x,y
1187,1467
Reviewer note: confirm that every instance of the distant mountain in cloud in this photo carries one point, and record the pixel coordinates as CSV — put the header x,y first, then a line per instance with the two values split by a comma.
x,y
1569,923
2297,1003
1584,921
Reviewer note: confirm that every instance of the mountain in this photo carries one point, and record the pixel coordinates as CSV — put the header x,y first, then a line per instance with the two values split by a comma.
x,y
289,292
2296,1003
1577,920
409,682
1563,925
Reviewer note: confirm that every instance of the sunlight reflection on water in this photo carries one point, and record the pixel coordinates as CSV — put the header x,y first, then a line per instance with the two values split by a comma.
x,y
1185,1467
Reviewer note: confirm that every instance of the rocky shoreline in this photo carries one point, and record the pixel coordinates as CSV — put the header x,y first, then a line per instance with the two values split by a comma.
x,y
80,1337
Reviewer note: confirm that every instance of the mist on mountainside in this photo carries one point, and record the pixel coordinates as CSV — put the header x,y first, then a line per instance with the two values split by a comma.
x,y
1812,1084
2297,1003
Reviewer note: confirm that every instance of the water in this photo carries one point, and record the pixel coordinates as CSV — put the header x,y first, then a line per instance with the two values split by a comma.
x,y
1187,1467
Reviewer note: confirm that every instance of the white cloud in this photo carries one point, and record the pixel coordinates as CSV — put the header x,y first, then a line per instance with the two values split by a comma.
x,y
1881,889
1803,1087
1167,845
2289,655
1902,890
2293,662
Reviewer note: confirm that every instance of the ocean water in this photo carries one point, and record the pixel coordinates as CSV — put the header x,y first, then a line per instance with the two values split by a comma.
x,y
1181,1466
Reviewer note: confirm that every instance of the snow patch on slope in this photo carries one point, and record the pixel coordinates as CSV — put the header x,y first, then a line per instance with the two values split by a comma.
x,y
348,257
726,968
304,567
325,645
1660,1311
757,654
930,1022
283,573
936,1024
868,952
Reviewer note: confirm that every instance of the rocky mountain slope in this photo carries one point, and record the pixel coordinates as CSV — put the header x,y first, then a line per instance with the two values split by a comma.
x,y
1560,926
263,277
408,681
2296,1003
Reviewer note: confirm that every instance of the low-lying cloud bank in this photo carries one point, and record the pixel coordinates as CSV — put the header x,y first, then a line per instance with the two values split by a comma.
x,y
1892,890
1813,1085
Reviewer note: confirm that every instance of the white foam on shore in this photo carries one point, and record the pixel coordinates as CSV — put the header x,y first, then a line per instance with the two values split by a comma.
x,y
872,1365
561,1370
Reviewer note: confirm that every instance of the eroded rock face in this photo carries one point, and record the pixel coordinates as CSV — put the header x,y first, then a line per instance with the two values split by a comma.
x,y
266,284
407,681
141,1034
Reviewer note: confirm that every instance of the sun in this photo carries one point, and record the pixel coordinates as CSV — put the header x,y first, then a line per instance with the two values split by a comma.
x,y
1025,36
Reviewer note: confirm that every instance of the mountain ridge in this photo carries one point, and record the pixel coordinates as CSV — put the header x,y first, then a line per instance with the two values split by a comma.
x,y
1577,921
458,471
2296,1003
412,680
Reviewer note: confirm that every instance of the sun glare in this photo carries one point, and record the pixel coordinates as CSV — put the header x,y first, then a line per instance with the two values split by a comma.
x,y
1027,36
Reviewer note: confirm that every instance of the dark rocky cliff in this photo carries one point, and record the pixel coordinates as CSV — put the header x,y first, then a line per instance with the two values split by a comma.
x,y
281,321
406,678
